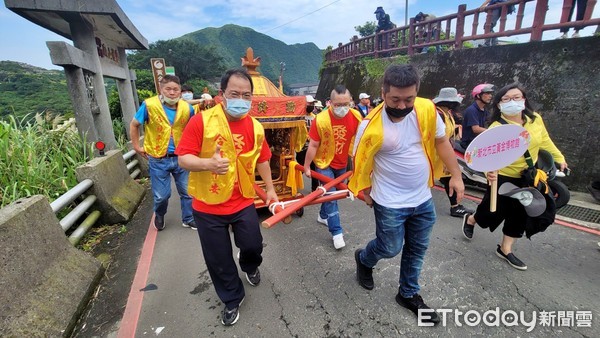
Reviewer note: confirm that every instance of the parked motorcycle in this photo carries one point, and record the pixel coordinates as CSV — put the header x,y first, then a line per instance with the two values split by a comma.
x,y
545,162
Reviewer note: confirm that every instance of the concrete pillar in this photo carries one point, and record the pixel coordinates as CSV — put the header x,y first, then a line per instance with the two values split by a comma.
x,y
125,92
136,98
83,113
84,39
118,194
46,282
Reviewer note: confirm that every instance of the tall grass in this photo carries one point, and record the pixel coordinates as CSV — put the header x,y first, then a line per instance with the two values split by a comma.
x,y
37,159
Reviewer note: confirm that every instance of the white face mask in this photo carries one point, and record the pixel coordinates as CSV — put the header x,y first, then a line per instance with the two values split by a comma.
x,y
187,96
512,108
169,100
340,111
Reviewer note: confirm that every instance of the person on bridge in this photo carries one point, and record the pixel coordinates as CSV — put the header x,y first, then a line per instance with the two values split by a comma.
x,y
393,156
446,103
222,148
581,7
511,106
476,116
164,117
331,135
496,13
383,24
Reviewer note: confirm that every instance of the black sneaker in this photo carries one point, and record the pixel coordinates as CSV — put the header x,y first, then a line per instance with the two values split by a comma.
x,y
467,228
414,304
253,278
191,225
459,211
511,259
230,317
364,274
159,222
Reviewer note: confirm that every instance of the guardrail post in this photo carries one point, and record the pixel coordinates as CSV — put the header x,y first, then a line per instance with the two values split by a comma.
x,y
460,27
538,20
142,162
118,194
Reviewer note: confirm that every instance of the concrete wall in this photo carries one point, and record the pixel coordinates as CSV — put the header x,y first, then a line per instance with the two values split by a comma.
x,y
562,78
45,282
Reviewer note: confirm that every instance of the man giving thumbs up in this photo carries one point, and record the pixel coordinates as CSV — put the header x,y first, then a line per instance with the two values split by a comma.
x,y
222,148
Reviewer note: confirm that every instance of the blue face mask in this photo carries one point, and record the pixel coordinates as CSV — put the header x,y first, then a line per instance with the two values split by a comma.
x,y
238,107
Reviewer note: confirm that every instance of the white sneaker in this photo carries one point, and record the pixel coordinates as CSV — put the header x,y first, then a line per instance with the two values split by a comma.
x,y
338,241
575,35
321,220
564,36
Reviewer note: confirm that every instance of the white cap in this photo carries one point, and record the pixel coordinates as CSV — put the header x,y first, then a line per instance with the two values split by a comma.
x,y
363,96
206,96
318,104
310,98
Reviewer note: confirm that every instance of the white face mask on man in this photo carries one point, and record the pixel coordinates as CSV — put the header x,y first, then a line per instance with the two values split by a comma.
x,y
341,111
512,107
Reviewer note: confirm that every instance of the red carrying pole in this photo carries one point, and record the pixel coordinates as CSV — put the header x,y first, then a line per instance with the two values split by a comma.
x,y
279,216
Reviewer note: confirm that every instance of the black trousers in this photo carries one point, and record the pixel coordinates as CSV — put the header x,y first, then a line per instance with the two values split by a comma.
x,y
508,210
217,250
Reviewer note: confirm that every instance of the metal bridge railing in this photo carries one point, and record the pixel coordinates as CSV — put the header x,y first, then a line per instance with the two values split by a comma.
x,y
82,207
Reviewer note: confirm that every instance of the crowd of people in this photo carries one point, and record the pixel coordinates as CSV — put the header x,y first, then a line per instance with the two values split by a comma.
x,y
398,148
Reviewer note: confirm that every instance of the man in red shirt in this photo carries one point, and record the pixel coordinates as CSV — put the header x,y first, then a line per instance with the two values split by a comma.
x,y
331,135
222,148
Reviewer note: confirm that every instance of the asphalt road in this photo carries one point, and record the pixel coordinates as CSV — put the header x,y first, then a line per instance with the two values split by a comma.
x,y
309,289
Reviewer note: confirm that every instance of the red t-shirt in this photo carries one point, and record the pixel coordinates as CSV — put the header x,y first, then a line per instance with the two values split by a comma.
x,y
343,131
242,132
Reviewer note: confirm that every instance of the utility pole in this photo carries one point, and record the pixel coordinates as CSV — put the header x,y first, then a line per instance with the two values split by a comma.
x,y
281,69
406,14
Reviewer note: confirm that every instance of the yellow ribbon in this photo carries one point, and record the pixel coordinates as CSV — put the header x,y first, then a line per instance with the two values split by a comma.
x,y
294,178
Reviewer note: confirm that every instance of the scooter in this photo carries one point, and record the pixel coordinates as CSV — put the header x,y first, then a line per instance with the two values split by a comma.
x,y
477,179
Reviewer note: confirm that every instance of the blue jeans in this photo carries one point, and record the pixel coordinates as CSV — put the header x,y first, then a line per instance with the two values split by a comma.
x,y
329,210
395,227
161,170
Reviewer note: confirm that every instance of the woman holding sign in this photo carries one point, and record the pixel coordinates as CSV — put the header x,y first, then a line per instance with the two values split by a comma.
x,y
523,209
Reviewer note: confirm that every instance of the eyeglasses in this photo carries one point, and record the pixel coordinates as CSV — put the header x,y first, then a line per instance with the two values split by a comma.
x,y
236,95
514,98
341,105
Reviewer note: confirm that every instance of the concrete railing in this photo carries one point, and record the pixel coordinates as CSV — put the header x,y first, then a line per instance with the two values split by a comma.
x,y
452,30
46,282
86,204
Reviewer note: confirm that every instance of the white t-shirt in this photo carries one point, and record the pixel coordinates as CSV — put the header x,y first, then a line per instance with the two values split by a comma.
x,y
401,170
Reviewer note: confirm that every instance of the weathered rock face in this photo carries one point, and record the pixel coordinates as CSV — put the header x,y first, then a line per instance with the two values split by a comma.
x,y
562,78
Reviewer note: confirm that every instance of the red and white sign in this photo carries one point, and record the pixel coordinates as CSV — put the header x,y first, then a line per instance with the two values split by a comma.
x,y
497,147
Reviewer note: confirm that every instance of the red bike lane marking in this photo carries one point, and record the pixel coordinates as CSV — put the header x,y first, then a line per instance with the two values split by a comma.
x,y
133,308
557,221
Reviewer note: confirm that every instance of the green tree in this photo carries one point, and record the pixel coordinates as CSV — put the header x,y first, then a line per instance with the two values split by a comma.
x,y
367,29
144,80
190,59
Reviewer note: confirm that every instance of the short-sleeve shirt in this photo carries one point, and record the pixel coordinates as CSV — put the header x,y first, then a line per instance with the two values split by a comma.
x,y
142,116
242,132
401,169
343,131
473,116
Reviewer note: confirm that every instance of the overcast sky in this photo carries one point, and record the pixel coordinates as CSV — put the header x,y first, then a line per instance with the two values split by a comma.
x,y
322,22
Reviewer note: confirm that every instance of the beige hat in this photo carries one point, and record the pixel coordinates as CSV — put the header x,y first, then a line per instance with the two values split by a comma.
x,y
318,104
206,96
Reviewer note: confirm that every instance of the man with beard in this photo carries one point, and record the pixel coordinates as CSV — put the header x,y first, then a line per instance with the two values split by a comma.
x,y
394,154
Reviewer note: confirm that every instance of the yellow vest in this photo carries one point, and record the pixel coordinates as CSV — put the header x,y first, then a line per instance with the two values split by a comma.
x,y
372,139
211,188
326,150
158,129
440,168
